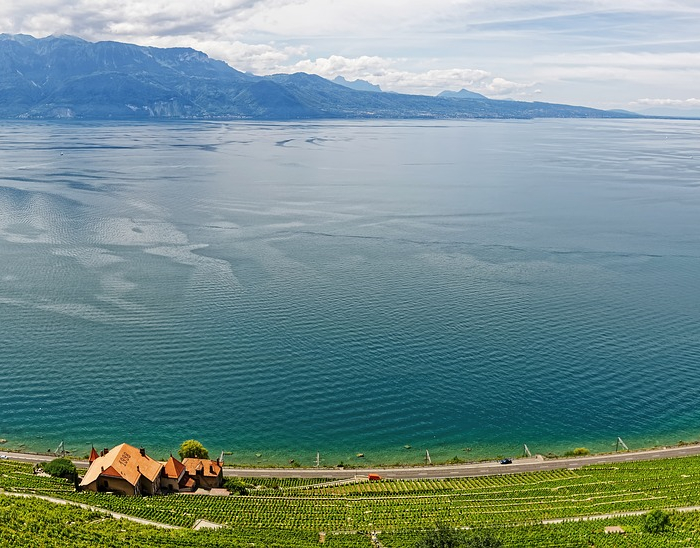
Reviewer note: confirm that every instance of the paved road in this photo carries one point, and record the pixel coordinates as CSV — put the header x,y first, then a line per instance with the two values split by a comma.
x,y
34,458
532,464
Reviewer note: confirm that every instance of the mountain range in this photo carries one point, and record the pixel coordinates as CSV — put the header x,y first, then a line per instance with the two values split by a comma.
x,y
67,77
360,85
461,94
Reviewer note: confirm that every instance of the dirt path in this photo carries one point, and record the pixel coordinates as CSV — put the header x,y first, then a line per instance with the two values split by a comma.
x,y
616,515
116,515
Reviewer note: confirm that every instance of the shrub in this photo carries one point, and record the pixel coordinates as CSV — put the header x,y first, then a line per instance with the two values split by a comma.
x,y
236,485
578,452
482,540
441,537
60,468
656,521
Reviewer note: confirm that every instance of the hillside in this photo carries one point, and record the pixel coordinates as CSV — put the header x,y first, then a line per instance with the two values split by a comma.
x,y
67,77
568,507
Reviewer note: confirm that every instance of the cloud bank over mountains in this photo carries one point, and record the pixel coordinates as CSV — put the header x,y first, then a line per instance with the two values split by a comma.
x,y
582,53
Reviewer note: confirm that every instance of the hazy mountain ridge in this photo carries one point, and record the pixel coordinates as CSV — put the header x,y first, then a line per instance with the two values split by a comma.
x,y
67,77
359,85
461,94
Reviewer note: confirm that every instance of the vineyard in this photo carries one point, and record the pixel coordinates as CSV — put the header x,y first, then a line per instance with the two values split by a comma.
x,y
294,511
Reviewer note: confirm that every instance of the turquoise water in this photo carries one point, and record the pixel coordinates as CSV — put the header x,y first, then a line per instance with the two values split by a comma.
x,y
350,287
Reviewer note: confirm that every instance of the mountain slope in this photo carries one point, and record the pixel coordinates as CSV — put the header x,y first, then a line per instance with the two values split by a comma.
x,y
461,94
67,77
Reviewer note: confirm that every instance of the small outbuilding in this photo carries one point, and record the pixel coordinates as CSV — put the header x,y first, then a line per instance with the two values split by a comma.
x,y
207,474
174,477
614,529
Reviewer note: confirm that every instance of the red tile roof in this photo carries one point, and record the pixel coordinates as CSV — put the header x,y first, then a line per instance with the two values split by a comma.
x,y
110,472
173,468
208,468
126,462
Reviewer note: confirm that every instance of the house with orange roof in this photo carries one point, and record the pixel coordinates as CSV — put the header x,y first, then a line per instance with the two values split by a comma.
x,y
207,474
124,470
174,477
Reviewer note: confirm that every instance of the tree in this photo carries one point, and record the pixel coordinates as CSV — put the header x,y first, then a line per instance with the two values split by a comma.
x,y
656,521
444,536
60,468
236,485
482,540
441,537
193,449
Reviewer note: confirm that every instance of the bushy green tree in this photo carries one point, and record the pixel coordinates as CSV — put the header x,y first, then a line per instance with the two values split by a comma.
x,y
60,468
236,485
444,536
193,449
656,521
482,540
441,537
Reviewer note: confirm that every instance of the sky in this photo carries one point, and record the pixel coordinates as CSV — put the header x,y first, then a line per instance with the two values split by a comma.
x,y
625,54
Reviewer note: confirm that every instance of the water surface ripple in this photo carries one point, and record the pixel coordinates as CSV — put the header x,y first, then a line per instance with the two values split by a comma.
x,y
350,287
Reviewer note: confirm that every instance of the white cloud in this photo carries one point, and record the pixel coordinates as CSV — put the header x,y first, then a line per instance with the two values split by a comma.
x,y
688,103
644,60
502,87
385,73
580,53
631,72
256,58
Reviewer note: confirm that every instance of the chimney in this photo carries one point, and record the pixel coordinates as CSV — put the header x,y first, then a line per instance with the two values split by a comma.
x,y
105,451
142,451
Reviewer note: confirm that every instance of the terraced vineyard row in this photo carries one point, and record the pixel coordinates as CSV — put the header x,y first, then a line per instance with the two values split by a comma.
x,y
16,476
36,523
27,522
683,531
407,507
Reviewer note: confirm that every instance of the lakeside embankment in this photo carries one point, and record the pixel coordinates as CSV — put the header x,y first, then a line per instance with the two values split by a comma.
x,y
484,468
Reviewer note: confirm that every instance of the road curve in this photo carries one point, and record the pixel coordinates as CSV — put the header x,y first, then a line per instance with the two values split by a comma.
x,y
531,464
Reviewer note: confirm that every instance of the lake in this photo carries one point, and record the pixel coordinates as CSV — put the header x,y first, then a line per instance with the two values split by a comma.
x,y
385,288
